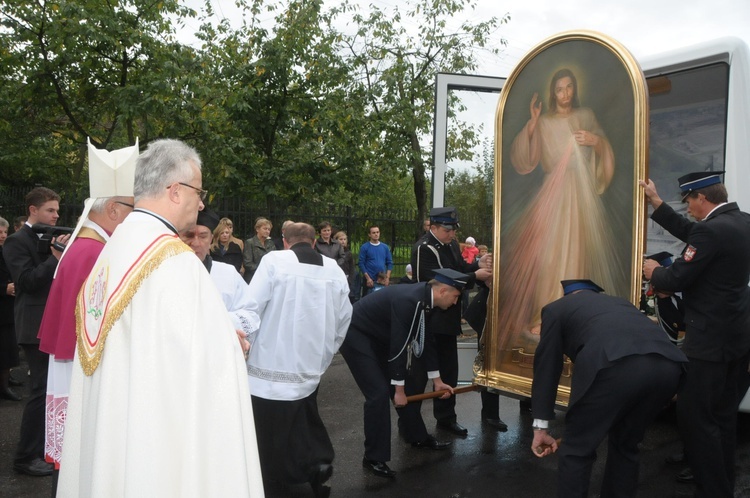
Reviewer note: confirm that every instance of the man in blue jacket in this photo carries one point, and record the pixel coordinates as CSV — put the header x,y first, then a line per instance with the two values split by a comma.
x,y
374,257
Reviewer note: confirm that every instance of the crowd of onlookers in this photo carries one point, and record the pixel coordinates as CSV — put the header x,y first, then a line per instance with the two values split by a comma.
x,y
368,271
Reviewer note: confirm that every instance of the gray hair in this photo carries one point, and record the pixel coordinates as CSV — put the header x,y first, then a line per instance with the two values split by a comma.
x,y
163,163
99,204
4,222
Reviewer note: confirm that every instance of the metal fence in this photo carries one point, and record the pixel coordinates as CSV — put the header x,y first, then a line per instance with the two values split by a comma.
x,y
398,228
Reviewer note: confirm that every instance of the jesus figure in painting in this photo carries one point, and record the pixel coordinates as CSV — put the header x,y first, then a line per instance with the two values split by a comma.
x,y
562,233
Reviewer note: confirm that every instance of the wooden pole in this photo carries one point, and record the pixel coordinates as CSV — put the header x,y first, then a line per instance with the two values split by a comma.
x,y
437,394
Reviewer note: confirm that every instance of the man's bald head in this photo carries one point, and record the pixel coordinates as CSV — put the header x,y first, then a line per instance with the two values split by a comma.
x,y
299,232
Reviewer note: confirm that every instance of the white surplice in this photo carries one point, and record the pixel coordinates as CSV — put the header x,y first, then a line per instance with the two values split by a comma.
x,y
305,314
162,407
243,310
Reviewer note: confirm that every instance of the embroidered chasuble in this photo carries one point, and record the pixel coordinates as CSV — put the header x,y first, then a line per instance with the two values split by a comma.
x,y
159,402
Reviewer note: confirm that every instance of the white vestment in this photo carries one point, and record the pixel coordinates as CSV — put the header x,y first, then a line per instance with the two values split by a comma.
x,y
305,314
243,310
163,408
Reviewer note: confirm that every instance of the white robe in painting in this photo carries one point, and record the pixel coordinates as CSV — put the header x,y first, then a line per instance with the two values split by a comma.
x,y
162,409
562,233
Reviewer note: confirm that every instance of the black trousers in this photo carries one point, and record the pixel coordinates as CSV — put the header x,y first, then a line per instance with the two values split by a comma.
x,y
369,366
444,410
490,404
707,418
292,439
620,404
490,400
31,441
410,424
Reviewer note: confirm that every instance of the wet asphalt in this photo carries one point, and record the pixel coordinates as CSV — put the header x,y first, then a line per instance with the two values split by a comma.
x,y
486,463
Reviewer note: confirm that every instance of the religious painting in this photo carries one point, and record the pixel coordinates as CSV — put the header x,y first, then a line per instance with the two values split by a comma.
x,y
571,140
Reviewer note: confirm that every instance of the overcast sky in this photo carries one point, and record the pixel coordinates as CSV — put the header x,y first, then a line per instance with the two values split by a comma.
x,y
645,27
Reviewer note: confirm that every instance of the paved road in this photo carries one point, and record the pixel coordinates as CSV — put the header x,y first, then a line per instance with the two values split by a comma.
x,y
484,464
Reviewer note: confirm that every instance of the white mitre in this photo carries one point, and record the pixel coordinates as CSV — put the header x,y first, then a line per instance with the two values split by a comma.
x,y
110,174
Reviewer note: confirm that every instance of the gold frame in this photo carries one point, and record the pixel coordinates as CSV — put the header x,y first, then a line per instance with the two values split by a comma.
x,y
511,371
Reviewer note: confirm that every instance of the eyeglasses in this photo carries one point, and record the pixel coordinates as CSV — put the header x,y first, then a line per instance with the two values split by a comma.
x,y
125,204
201,193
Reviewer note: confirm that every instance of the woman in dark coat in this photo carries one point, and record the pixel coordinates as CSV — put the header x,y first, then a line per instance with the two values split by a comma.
x,y
8,345
225,247
256,247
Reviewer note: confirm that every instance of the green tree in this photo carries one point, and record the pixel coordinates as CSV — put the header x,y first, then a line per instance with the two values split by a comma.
x,y
395,57
473,190
111,71
292,114
298,132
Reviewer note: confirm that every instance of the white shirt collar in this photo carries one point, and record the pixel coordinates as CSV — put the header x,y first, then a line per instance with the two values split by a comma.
x,y
714,209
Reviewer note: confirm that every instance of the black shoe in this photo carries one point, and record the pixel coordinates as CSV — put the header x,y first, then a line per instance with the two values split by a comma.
x,y
676,459
380,469
686,475
454,427
10,394
318,476
13,382
432,444
496,423
37,467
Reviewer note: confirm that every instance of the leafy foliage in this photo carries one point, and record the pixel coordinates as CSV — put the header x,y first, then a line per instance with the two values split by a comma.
x,y
289,112
473,191
110,71
395,57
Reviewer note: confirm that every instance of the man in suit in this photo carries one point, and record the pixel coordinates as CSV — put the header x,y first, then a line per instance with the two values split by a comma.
x,y
713,275
386,335
438,249
32,264
626,371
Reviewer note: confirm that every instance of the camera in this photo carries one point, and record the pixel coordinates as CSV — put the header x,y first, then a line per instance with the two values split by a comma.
x,y
49,232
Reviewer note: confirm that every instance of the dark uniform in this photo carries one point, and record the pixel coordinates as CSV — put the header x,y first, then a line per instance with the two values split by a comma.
x,y
626,371
428,255
668,306
713,275
476,317
377,349
32,271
